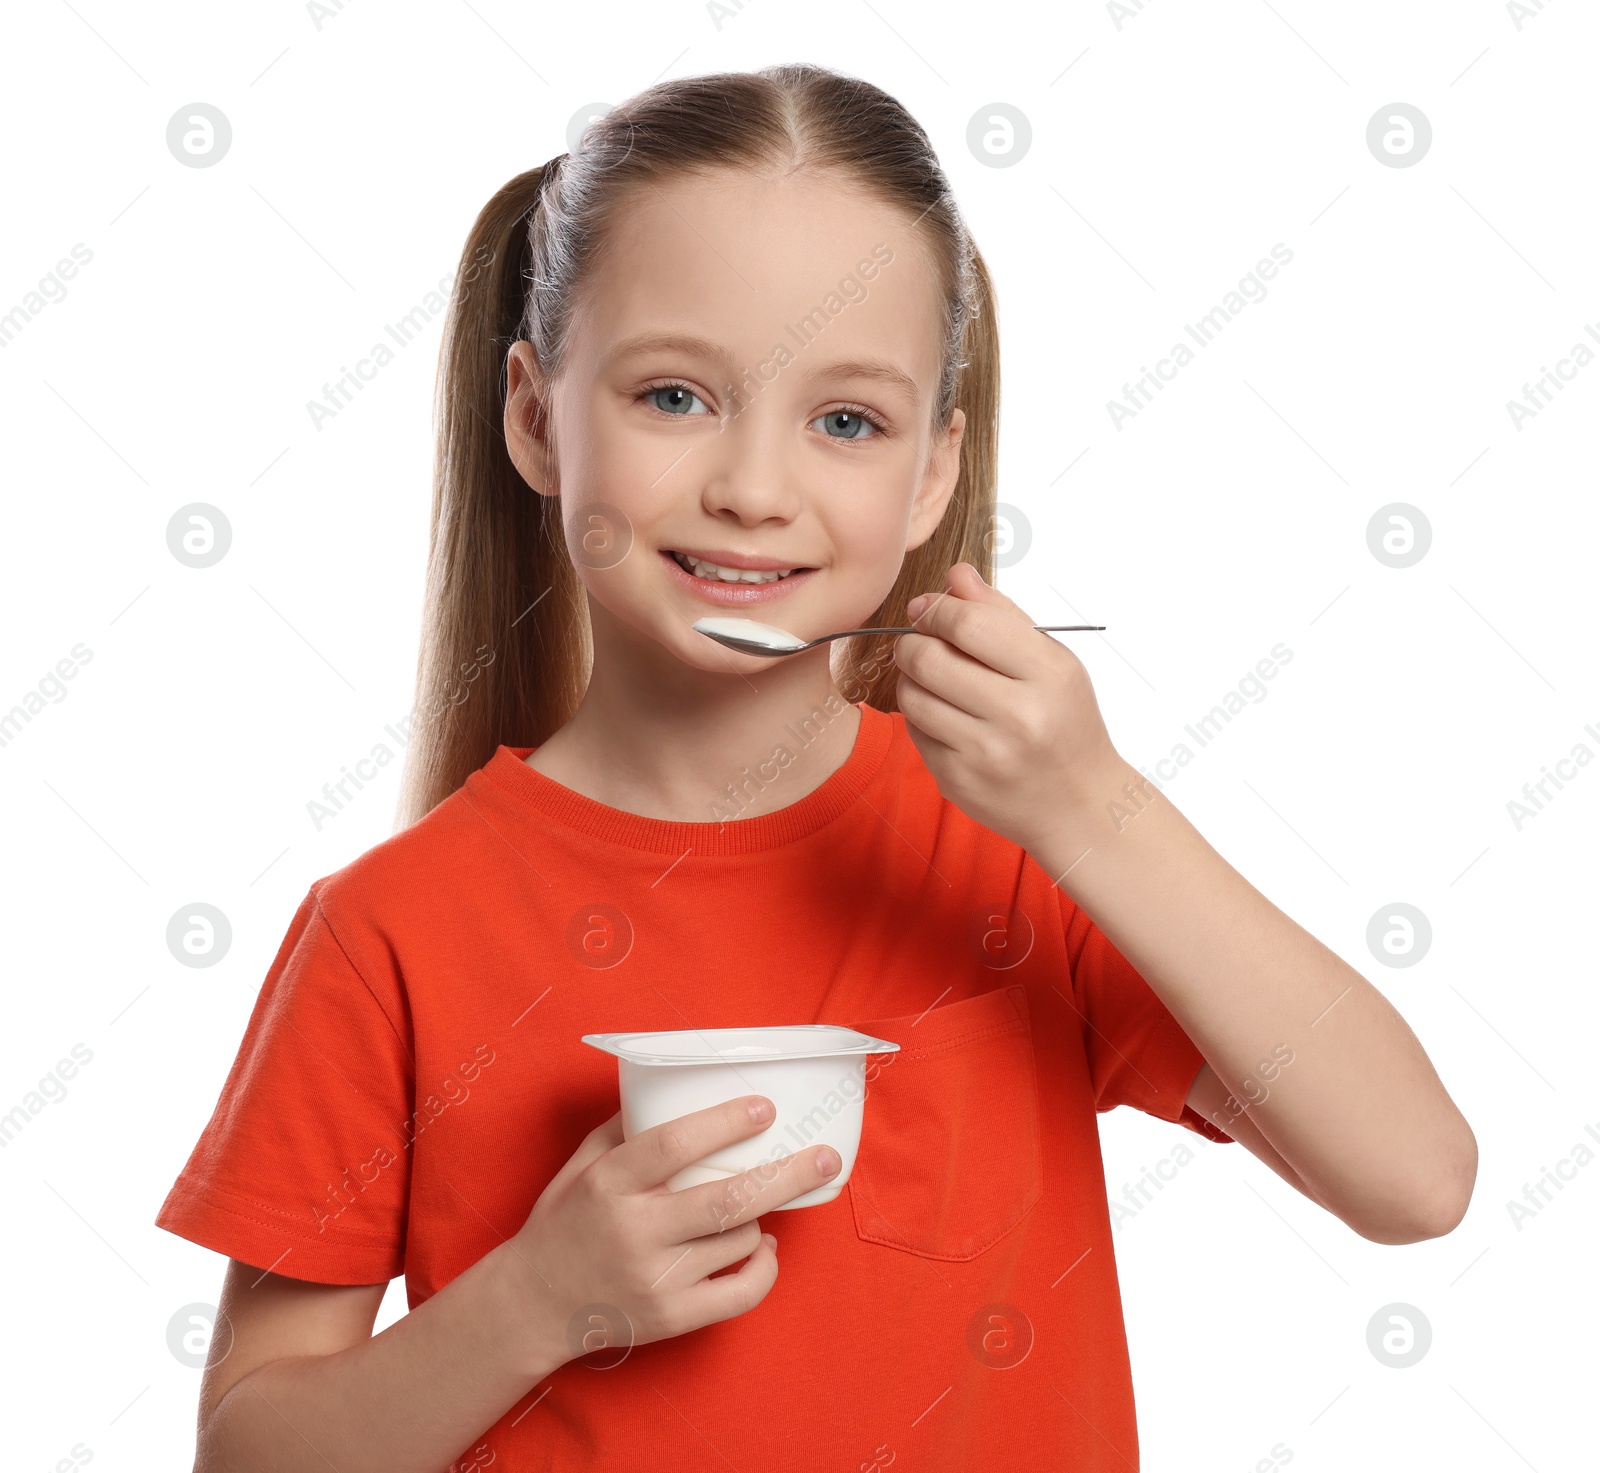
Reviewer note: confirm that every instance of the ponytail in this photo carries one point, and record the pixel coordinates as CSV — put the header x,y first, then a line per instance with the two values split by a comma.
x,y
505,647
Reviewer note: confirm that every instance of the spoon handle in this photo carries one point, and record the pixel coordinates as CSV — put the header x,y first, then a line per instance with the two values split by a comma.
x,y
1043,628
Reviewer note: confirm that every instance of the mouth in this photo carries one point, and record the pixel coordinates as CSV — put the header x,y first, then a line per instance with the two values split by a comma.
x,y
723,584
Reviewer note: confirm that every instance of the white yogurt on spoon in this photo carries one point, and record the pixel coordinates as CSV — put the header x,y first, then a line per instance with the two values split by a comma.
x,y
768,636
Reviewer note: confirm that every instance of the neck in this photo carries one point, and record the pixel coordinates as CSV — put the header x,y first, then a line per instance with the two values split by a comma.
x,y
659,738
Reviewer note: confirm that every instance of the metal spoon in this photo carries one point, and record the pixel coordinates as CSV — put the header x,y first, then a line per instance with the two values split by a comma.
x,y
751,638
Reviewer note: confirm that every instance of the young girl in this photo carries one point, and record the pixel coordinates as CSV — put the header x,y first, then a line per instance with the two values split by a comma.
x,y
738,355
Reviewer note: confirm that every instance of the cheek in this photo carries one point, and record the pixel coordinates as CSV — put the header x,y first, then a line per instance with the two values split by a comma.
x,y
867,532
601,454
614,495
600,461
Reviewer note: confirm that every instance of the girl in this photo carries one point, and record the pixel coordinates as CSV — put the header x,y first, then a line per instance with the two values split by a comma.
x,y
738,354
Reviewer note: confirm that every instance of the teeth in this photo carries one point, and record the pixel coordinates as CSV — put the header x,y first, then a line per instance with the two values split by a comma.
x,y
702,569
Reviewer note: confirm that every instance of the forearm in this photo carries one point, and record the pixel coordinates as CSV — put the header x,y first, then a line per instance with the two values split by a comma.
x,y
409,1400
1359,1113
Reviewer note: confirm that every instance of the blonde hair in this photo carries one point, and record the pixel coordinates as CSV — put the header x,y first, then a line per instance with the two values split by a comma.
x,y
499,575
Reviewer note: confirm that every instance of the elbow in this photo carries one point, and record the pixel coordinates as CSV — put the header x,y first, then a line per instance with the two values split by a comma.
x,y
1418,1221
1434,1204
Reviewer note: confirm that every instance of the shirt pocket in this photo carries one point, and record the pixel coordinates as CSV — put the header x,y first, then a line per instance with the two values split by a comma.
x,y
949,1160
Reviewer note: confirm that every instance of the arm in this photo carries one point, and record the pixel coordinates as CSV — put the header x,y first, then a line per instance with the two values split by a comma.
x,y
1308,1064
303,1387
1357,1114
1210,1097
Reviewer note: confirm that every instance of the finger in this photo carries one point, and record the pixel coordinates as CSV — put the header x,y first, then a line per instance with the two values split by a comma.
x,y
654,1155
933,751
699,1258
930,713
716,1206
601,1139
728,1295
992,635
917,609
965,683
963,580
604,1136
967,582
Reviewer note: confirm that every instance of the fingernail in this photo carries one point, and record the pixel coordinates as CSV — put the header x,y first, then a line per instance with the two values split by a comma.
x,y
760,1109
916,606
827,1161
770,1241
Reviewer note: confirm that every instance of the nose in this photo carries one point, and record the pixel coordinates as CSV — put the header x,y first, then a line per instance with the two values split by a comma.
x,y
749,477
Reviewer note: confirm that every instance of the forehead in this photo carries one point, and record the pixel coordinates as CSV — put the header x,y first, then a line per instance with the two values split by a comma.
x,y
742,258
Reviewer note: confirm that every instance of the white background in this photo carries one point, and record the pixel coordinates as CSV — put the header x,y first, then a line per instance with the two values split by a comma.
x,y
1168,155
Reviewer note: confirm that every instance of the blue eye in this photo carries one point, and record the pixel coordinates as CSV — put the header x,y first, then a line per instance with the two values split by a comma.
x,y
842,424
675,399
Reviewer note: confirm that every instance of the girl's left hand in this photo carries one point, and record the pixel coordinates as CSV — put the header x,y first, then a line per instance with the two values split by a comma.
x,y
1005,718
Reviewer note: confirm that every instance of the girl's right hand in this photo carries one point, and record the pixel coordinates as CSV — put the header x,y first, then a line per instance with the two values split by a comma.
x,y
607,1233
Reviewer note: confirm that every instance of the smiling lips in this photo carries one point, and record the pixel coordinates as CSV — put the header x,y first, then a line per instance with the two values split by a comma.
x,y
734,578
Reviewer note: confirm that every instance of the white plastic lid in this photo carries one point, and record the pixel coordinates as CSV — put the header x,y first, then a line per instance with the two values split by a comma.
x,y
739,1045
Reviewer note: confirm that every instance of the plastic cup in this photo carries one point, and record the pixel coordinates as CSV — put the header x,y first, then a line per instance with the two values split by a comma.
x,y
814,1074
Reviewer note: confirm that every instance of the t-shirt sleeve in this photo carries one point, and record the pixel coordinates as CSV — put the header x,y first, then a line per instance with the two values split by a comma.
x,y
1137,1050
304,1167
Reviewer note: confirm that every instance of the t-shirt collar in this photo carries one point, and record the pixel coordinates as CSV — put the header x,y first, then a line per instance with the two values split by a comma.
x,y
509,772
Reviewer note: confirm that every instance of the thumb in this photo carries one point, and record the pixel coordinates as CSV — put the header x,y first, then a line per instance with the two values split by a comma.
x,y
965,581
604,1137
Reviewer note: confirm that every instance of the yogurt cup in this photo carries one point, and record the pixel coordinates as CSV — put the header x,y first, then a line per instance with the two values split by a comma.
x,y
814,1074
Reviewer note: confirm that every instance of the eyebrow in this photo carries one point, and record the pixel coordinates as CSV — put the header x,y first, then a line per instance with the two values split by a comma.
x,y
669,342
673,342
870,368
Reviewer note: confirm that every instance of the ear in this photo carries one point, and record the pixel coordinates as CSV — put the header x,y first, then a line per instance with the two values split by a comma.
x,y
527,420
939,478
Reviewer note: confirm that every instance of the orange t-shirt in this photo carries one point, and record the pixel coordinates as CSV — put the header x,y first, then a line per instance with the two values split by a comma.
x,y
412,1077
